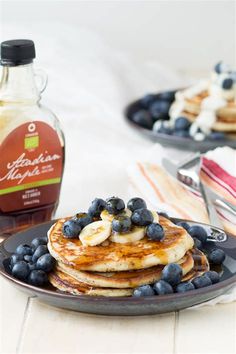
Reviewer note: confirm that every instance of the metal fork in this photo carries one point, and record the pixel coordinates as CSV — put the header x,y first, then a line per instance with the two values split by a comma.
x,y
191,179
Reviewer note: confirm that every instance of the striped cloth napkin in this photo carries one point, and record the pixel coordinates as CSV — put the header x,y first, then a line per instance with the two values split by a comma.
x,y
149,179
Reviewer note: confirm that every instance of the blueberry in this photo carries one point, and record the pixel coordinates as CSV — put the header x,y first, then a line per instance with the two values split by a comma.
x,y
155,232
198,232
40,250
181,133
147,100
172,273
183,224
159,109
182,123
143,118
142,217
185,286
136,203
97,206
15,258
216,136
161,287
20,270
121,224
46,263
32,266
167,95
201,281
37,278
214,276
27,258
221,67
114,205
23,250
38,241
144,290
216,256
71,229
197,243
83,219
227,83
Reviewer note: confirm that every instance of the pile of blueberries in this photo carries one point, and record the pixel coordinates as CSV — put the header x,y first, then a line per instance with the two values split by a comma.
x,y
153,114
31,263
121,223
172,274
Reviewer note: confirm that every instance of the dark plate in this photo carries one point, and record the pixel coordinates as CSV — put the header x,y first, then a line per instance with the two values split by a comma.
x,y
119,305
171,140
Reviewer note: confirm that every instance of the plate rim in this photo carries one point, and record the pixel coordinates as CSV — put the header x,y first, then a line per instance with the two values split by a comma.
x,y
227,283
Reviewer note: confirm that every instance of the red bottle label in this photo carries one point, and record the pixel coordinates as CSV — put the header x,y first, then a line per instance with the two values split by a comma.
x,y
31,165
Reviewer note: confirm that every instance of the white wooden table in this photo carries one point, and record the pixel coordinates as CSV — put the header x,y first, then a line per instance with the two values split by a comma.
x,y
28,326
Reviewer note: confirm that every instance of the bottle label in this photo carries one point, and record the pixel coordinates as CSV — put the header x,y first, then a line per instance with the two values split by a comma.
x,y
31,166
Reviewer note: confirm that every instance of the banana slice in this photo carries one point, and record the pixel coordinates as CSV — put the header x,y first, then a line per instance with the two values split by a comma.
x,y
109,217
135,234
95,233
155,216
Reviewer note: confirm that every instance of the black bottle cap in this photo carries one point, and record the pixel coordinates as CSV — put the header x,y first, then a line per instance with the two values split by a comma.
x,y
17,52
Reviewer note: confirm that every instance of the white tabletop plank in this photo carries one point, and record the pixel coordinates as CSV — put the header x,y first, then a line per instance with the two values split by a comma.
x,y
207,330
70,332
13,309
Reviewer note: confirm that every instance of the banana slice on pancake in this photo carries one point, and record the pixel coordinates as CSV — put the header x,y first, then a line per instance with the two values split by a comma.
x,y
109,217
135,234
95,233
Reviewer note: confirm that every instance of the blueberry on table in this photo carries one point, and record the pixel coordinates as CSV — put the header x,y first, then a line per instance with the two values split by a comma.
x,y
147,100
38,241
144,290
201,282
227,83
182,124
172,273
199,232
20,270
23,250
185,286
216,136
115,205
142,217
97,206
214,276
83,219
143,118
216,256
46,263
197,243
71,229
40,250
121,224
161,287
37,278
136,203
159,109
155,232
183,224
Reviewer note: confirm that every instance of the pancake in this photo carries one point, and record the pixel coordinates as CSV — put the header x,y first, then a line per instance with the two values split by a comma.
x,y
125,279
120,257
66,283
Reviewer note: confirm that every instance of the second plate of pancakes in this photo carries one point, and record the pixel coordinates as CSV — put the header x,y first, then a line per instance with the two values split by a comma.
x,y
120,304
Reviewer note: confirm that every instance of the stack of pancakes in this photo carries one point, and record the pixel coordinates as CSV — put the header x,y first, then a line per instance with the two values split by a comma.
x,y
115,269
225,116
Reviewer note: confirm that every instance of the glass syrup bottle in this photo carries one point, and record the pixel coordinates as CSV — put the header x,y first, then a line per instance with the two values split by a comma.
x,y
31,143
